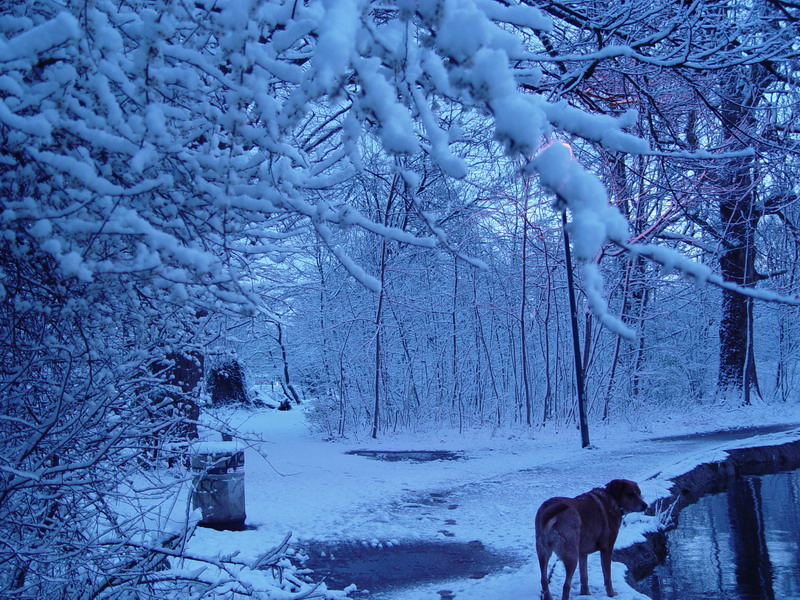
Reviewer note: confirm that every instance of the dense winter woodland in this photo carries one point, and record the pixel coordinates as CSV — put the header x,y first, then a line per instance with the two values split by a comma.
x,y
361,202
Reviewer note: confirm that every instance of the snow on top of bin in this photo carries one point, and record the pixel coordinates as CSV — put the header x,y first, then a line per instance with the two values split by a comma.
x,y
216,447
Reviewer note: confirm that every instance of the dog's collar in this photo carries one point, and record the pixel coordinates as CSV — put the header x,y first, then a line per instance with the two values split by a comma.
x,y
612,507
616,509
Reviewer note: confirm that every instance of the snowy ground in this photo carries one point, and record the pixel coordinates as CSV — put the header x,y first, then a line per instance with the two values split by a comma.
x,y
320,493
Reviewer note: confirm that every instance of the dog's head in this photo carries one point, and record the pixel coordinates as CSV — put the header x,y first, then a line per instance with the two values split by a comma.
x,y
627,494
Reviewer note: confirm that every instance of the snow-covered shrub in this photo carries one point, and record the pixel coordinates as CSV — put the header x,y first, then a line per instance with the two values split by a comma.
x,y
227,383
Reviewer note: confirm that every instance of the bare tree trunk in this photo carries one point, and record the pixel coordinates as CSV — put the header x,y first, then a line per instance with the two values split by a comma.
x,y
488,355
526,385
641,294
576,345
558,390
342,401
378,322
327,350
343,384
379,314
407,353
456,401
547,412
514,372
286,384
736,186
478,330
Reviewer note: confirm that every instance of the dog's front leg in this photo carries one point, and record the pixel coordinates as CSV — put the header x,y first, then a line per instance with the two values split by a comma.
x,y
584,575
605,560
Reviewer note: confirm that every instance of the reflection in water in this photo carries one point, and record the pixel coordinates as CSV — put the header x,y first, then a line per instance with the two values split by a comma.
x,y
741,544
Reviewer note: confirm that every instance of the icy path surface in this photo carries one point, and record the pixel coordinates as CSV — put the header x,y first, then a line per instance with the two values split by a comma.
x,y
315,489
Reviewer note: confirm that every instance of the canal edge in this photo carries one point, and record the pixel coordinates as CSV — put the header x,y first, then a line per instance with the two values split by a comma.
x,y
708,477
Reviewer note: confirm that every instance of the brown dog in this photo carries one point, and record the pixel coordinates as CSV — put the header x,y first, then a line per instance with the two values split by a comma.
x,y
576,527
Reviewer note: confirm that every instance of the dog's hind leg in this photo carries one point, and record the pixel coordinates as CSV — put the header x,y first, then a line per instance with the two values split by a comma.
x,y
544,558
570,562
584,575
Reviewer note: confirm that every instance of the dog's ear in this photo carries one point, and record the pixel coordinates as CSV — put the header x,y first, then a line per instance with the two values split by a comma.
x,y
616,488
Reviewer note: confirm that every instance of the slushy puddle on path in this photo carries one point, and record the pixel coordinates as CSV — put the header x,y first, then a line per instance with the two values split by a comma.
x,y
413,456
376,567
381,567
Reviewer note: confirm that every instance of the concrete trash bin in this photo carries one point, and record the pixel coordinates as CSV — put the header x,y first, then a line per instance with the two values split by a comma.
x,y
219,485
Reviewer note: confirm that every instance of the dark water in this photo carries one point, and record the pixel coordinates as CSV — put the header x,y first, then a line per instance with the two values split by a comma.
x,y
416,456
380,568
739,544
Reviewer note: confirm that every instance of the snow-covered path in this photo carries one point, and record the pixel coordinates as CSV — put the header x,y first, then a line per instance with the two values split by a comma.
x,y
321,493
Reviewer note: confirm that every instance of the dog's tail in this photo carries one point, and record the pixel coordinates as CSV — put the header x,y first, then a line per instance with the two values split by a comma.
x,y
548,518
548,525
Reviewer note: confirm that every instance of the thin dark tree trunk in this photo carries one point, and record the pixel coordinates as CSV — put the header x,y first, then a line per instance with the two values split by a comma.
x,y
548,392
457,400
488,354
379,315
576,344
526,386
407,353
558,367
378,322
342,400
642,294
286,384
514,372
323,326
479,387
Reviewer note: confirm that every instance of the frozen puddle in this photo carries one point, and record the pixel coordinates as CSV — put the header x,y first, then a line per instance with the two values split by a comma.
x,y
409,455
377,568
